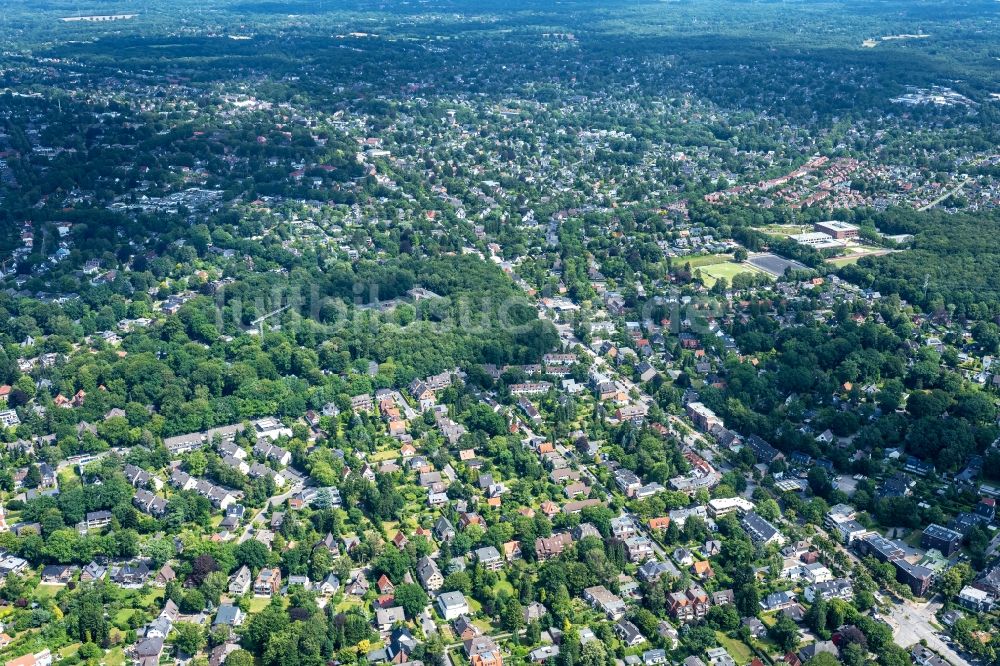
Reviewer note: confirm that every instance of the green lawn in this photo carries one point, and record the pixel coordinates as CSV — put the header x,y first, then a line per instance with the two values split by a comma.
x,y
843,261
155,594
699,260
345,604
785,229
122,616
115,657
67,475
47,591
712,272
738,650
504,586
381,456
257,604
69,649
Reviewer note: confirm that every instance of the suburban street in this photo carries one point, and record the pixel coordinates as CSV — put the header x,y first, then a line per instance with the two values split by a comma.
x,y
911,623
260,517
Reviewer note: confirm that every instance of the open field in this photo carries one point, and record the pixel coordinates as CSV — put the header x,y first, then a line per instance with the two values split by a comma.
x,y
856,252
713,272
67,475
785,229
845,260
699,260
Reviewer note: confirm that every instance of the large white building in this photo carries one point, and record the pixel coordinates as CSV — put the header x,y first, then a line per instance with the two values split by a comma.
x,y
452,605
725,505
817,239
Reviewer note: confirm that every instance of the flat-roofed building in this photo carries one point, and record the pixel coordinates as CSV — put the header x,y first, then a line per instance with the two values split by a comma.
x,y
837,229
817,239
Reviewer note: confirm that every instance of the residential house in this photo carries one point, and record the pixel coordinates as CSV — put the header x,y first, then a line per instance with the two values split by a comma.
x,y
464,628
810,651
490,558
429,574
604,600
534,612
975,600
761,531
149,503
553,546
483,651
239,582
838,588
165,575
131,575
452,605
638,548
385,618
329,585
628,633
268,582
689,605
229,615
57,574
653,570
777,601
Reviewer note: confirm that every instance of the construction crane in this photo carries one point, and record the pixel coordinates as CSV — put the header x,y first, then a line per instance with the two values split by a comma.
x,y
259,321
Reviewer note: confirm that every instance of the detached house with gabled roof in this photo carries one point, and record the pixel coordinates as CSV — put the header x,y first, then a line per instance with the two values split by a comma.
x,y
548,547
239,582
422,394
761,531
483,651
268,582
692,604
429,574
444,530
628,633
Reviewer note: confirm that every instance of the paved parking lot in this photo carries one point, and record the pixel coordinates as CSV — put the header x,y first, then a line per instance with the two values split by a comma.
x,y
773,264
